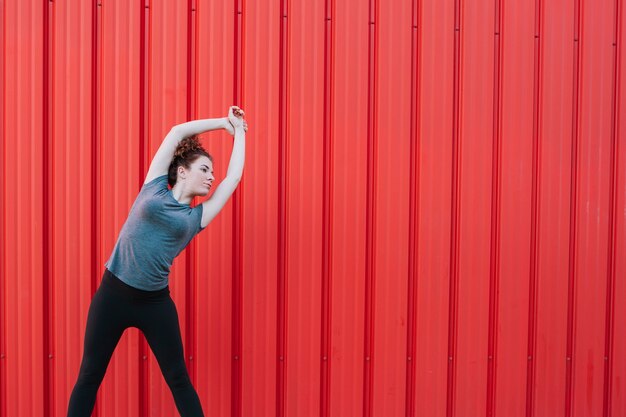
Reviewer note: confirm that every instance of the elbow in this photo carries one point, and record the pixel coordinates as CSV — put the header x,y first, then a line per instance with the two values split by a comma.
x,y
176,132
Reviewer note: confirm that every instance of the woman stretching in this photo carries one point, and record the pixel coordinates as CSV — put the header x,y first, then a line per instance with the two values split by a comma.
x,y
134,291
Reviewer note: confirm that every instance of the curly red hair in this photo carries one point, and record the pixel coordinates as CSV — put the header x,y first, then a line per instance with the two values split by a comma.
x,y
188,150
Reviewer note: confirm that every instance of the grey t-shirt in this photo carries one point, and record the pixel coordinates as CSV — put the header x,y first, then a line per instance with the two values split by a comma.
x,y
158,228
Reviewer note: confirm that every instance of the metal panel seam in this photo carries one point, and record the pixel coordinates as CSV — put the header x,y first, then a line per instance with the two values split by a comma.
x,y
455,215
327,214
496,184
370,263
3,240
534,223
413,240
95,143
191,267
237,241
612,244
576,79
46,212
145,39
283,157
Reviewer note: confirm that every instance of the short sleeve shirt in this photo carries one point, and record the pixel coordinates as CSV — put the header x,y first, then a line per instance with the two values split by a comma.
x,y
157,229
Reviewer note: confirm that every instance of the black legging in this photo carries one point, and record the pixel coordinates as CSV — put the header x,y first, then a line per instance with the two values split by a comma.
x,y
115,307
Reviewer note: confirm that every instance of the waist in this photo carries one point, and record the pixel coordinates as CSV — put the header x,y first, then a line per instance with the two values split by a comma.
x,y
111,281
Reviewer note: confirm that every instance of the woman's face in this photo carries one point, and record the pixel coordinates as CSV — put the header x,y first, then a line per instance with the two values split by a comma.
x,y
199,177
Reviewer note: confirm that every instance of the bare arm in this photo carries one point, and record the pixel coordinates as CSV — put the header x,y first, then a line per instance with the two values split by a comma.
x,y
163,157
212,206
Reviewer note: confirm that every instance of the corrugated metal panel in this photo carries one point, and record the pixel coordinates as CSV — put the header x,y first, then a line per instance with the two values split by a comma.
x,y
615,364
435,119
69,203
26,209
346,194
432,219
121,128
550,252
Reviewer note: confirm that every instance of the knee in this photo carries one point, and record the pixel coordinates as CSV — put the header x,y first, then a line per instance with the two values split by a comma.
x,y
91,373
87,377
177,376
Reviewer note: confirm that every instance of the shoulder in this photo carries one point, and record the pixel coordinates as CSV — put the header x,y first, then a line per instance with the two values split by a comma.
x,y
155,180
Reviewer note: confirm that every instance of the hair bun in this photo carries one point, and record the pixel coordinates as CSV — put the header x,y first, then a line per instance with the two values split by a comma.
x,y
187,146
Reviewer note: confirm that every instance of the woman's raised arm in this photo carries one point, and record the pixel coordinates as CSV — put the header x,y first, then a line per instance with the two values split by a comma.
x,y
163,157
216,202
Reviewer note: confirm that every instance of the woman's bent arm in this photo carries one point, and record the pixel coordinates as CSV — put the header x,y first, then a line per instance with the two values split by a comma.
x,y
163,157
226,188
195,127
235,166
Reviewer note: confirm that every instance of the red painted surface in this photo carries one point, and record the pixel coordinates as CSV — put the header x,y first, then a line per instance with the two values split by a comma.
x,y
431,221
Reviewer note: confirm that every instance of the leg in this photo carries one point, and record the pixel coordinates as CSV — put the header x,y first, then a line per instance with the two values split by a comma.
x,y
162,331
103,332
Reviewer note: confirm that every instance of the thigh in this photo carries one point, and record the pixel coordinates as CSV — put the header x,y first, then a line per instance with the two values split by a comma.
x,y
160,325
106,322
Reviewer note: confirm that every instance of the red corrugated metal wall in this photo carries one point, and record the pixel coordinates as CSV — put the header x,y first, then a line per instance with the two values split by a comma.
x,y
431,221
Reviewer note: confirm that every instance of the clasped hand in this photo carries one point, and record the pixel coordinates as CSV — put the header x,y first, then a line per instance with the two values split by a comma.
x,y
235,120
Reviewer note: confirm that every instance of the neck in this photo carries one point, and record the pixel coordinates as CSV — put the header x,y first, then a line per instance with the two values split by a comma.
x,y
180,195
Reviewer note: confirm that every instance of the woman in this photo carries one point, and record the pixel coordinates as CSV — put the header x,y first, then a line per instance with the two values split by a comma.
x,y
134,291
